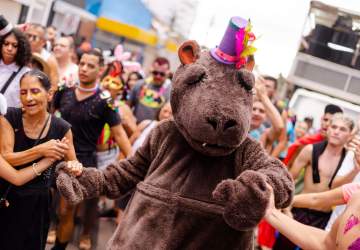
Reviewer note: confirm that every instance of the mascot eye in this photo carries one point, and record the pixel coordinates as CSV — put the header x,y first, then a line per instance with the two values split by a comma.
x,y
248,87
196,79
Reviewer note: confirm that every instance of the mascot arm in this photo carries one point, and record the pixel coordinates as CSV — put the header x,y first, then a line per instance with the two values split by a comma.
x,y
116,180
246,198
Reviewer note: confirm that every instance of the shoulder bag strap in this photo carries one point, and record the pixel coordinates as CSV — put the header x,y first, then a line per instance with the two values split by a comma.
x,y
318,149
11,78
343,154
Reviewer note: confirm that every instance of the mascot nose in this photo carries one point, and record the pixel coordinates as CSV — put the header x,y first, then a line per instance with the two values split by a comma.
x,y
213,122
229,124
216,124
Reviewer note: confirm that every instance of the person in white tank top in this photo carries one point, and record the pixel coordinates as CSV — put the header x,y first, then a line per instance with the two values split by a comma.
x,y
68,71
45,54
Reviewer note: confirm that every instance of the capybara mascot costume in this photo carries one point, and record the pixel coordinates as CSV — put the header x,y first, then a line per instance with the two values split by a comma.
x,y
200,180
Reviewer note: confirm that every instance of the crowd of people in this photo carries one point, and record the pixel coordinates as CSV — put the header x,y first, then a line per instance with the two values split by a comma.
x,y
322,164
66,104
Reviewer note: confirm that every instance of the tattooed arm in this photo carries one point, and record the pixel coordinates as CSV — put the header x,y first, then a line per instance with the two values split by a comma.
x,y
306,237
344,235
348,233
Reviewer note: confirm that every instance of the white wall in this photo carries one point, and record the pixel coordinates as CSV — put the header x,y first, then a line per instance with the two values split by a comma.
x,y
10,10
36,15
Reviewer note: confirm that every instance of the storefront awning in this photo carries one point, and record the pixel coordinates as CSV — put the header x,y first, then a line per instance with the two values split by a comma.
x,y
133,33
66,8
126,30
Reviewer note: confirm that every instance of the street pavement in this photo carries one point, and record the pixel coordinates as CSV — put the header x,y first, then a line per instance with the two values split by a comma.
x,y
106,229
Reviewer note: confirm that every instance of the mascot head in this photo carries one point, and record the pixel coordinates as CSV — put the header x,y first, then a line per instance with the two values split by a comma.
x,y
212,95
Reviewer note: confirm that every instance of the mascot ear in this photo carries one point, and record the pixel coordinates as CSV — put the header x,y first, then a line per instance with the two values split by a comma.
x,y
189,52
250,63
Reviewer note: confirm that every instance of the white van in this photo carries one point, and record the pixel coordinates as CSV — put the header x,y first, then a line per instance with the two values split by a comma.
x,y
307,103
327,62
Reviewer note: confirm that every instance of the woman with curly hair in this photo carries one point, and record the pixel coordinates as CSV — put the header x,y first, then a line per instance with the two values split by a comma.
x,y
14,58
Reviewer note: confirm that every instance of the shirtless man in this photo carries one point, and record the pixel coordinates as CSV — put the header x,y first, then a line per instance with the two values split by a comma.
x,y
300,143
68,71
321,162
36,36
344,233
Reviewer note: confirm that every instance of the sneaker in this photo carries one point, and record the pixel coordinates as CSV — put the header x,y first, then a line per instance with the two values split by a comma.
x,y
51,237
85,242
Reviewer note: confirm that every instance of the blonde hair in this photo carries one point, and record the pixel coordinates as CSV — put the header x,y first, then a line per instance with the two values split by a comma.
x,y
340,116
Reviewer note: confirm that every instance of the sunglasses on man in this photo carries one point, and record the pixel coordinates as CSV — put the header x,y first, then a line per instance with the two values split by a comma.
x,y
158,73
32,37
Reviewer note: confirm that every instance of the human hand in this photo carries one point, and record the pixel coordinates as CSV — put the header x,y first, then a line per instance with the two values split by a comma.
x,y
271,205
74,167
260,88
354,146
23,26
54,149
354,143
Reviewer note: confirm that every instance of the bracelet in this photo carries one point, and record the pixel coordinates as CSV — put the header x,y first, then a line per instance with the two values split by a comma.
x,y
34,169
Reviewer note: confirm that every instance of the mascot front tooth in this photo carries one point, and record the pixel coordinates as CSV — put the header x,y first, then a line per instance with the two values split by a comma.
x,y
200,180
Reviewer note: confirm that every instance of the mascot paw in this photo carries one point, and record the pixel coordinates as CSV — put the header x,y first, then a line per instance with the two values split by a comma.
x,y
75,189
68,186
245,199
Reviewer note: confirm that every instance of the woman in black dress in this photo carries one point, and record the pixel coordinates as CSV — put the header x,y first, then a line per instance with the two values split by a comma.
x,y
28,136
10,174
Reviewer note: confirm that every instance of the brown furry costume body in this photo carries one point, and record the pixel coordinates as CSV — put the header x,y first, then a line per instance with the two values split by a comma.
x,y
201,182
